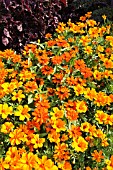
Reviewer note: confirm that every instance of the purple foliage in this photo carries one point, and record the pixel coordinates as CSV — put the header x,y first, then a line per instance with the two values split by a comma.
x,y
23,21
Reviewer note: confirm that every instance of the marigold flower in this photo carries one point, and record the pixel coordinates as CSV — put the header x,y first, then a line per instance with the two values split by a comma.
x,y
22,112
85,127
7,127
53,136
59,125
100,116
18,96
80,144
5,110
65,165
97,155
3,164
62,92
61,152
45,164
56,114
16,137
28,161
78,89
81,107
38,142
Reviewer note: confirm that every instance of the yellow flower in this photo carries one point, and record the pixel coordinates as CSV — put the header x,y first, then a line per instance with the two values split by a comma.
x,y
104,17
5,110
88,50
7,127
28,161
81,107
85,127
100,116
46,164
22,112
18,96
56,114
80,144
38,142
100,48
78,90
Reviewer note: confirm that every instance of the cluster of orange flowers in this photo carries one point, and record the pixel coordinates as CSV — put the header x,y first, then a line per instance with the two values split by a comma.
x,y
56,101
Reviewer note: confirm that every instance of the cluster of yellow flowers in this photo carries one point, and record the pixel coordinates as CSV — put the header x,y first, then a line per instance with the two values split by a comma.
x,y
56,100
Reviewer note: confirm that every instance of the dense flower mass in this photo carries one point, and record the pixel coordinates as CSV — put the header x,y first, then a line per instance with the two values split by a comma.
x,y
56,101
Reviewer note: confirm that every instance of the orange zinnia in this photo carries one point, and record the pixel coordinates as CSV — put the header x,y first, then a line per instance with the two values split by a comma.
x,y
62,92
97,155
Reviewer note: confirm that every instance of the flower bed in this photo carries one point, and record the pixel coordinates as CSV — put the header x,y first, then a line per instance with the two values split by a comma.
x,y
56,100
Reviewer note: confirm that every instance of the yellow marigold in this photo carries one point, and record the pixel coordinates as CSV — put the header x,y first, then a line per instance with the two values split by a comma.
x,y
18,96
85,127
7,127
80,144
5,110
78,89
81,107
37,142
100,116
88,50
45,164
22,112
16,136
28,161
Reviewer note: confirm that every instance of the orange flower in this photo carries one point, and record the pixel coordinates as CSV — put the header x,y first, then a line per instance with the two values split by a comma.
x,y
51,43
74,132
26,75
45,164
97,156
53,136
5,110
16,137
22,112
59,125
56,114
65,165
64,138
85,127
58,77
71,114
12,155
66,56
28,161
47,70
3,164
70,80
86,72
48,35
57,60
29,48
62,92
100,116
61,152
110,163
79,64
79,90
91,23
83,18
30,86
42,57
